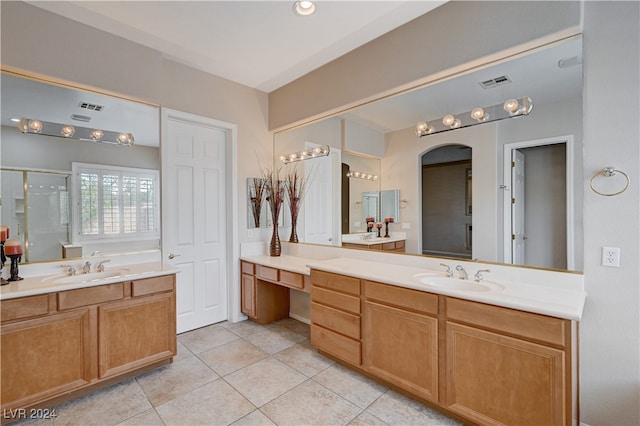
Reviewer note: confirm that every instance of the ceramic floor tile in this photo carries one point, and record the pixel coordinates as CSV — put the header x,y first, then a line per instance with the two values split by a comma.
x,y
304,358
243,328
350,385
206,338
273,340
168,382
215,403
396,409
265,380
367,419
294,325
148,418
310,404
109,406
183,353
257,418
24,419
233,356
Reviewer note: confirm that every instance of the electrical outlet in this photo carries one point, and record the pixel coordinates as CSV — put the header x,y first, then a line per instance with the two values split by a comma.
x,y
250,234
406,225
611,256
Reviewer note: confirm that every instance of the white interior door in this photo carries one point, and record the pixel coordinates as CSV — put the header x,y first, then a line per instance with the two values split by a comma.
x,y
194,216
322,211
518,236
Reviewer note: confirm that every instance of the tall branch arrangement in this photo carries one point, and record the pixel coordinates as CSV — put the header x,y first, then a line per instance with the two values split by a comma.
x,y
296,186
257,195
274,189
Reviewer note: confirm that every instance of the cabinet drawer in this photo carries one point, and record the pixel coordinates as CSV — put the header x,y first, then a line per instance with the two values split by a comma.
x,y
335,299
291,279
90,296
152,285
389,246
335,344
524,324
247,268
267,273
333,319
403,297
336,282
24,307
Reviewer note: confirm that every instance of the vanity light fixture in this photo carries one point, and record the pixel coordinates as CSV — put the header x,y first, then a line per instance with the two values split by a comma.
x,y
304,7
360,175
308,154
46,128
509,109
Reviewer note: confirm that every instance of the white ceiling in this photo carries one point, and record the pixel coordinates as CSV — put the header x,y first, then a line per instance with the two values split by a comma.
x,y
261,44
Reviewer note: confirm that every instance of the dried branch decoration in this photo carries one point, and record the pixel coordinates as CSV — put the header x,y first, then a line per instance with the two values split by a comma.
x,y
257,195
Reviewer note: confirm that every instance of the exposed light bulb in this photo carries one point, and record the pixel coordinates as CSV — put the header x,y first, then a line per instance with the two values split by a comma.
x,y
448,120
125,139
97,135
511,106
67,131
478,114
423,128
35,126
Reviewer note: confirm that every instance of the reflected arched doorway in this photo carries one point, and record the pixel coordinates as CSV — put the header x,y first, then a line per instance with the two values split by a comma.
x,y
446,201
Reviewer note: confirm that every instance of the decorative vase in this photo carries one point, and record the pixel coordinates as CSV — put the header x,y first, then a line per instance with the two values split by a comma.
x,y
294,233
275,248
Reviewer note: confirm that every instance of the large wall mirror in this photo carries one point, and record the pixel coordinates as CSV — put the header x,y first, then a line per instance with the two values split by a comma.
x,y
36,169
545,230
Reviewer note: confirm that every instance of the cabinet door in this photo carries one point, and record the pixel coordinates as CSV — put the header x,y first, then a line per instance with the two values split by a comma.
x,y
248,295
402,348
494,379
136,332
46,357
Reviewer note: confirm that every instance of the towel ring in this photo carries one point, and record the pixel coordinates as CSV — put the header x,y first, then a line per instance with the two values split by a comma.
x,y
608,172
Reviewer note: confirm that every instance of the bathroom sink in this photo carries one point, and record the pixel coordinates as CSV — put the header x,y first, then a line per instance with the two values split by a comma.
x,y
455,284
86,278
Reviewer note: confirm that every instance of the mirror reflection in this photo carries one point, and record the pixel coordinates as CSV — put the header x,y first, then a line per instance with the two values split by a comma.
x,y
489,226
37,181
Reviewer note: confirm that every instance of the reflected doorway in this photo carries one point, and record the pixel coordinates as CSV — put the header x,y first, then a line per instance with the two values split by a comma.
x,y
447,209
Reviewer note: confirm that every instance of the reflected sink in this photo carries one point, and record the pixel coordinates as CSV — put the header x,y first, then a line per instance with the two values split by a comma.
x,y
86,278
455,284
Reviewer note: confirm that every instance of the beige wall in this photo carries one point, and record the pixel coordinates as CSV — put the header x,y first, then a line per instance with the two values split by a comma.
x,y
60,48
451,37
610,330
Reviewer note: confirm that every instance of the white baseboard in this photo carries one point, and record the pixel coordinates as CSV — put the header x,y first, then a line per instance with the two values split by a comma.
x,y
302,319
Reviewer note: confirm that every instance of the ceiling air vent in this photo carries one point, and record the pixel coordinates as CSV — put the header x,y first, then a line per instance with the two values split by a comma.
x,y
494,82
92,107
79,117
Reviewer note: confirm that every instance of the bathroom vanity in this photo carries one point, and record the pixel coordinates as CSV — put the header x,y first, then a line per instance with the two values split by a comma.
x,y
64,336
488,352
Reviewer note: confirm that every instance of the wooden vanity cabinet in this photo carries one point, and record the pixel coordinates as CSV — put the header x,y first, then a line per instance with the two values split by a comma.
x,y
59,343
262,301
505,366
335,316
401,337
394,246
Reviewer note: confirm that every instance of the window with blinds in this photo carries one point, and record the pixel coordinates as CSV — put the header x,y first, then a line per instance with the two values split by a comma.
x,y
116,202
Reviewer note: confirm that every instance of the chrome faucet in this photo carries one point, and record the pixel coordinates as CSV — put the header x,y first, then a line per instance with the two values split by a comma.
x,y
86,268
462,273
70,269
449,271
478,276
100,267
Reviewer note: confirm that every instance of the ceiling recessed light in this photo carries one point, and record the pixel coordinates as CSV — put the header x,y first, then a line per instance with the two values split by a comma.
x,y
304,7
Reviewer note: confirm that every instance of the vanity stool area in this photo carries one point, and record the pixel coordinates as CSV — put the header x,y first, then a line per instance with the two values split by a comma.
x,y
486,352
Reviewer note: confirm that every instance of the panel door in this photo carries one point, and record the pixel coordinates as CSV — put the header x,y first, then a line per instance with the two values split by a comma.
x,y
494,379
402,347
194,216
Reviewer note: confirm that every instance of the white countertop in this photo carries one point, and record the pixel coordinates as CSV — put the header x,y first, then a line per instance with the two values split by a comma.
x,y
33,285
552,300
372,241
286,262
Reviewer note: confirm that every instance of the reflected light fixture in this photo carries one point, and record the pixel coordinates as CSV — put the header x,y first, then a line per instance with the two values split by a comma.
x,y
308,154
304,7
46,128
509,109
360,175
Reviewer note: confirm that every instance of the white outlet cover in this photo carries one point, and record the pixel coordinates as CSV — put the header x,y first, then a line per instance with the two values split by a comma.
x,y
611,257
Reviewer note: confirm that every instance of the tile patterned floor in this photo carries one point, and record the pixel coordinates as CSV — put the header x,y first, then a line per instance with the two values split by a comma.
x,y
247,374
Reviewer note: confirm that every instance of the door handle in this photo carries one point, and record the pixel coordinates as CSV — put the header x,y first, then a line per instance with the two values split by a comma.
x,y
330,239
171,256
